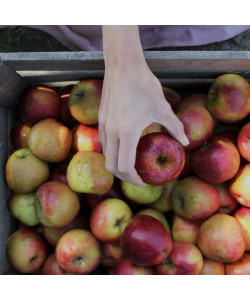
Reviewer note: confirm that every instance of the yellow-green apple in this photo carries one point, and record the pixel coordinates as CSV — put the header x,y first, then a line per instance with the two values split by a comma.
x,y
145,194
87,173
50,140
187,170
216,161
212,267
85,138
22,207
159,158
184,230
26,251
156,214
25,172
84,101
51,266
109,218
58,172
78,252
65,114
126,267
240,266
153,127
184,259
172,97
198,125
18,135
39,103
227,202
242,214
239,187
222,238
56,204
145,241
111,254
195,199
243,141
229,98
52,234
193,99
163,203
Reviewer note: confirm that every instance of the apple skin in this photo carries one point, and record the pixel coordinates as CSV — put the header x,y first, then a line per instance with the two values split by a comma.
x,y
39,103
242,214
125,267
184,259
187,170
52,234
85,138
51,266
25,172
56,204
227,202
173,98
109,219
111,254
215,238
198,125
193,99
86,173
159,158
216,161
240,266
26,251
84,101
239,186
78,252
184,230
243,141
18,135
212,267
58,172
145,241
195,199
229,98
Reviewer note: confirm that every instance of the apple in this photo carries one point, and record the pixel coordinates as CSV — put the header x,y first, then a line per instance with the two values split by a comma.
x,y
51,266
109,218
86,173
184,259
172,97
212,267
227,202
78,252
56,204
153,127
239,186
240,266
187,170
159,158
216,161
184,230
193,99
58,172
39,103
50,140
84,101
85,138
145,241
22,207
111,254
221,238
18,135
243,141
126,267
242,214
229,98
25,172
231,135
195,199
52,234
26,251
145,194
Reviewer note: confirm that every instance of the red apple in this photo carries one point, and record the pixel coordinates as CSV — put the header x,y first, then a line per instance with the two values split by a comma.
x,y
51,266
58,172
145,241
193,99
159,158
243,141
18,135
242,214
78,252
171,96
216,161
39,103
212,267
187,170
227,202
126,267
111,254
240,266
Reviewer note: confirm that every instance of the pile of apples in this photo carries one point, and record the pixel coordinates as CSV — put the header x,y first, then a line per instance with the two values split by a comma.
x,y
191,215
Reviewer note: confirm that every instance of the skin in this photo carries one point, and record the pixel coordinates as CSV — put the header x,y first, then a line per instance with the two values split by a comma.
x,y
125,112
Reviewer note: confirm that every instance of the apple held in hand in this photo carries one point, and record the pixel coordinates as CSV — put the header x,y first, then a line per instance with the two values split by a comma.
x,y
26,251
242,214
240,266
78,252
243,141
145,241
159,158
125,267
51,266
212,267
18,135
